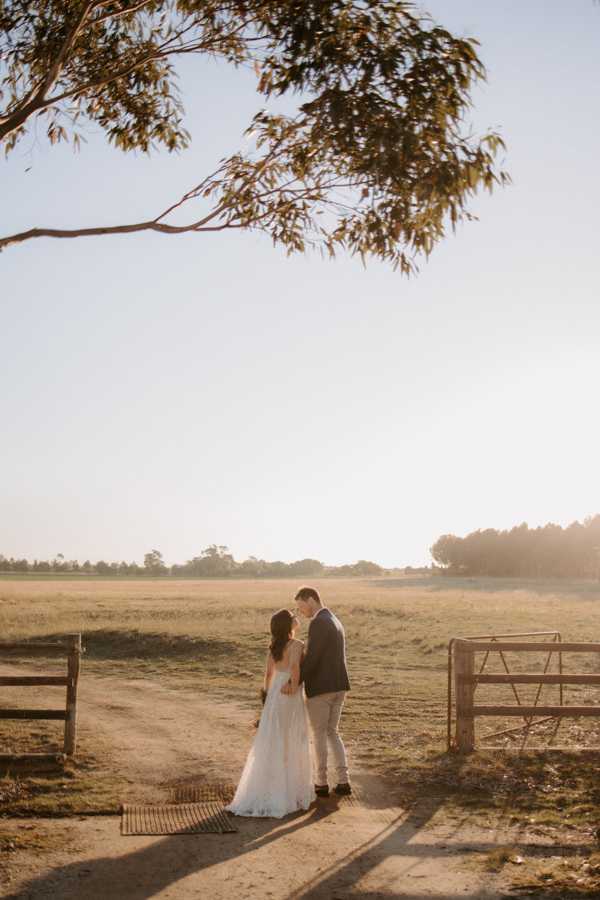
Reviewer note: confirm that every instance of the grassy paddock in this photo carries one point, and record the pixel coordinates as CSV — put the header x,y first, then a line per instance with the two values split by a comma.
x,y
211,636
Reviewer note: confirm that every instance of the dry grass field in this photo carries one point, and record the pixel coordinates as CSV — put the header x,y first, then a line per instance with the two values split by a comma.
x,y
211,636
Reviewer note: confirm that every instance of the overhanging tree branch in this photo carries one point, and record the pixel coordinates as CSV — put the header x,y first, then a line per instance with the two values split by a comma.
x,y
375,163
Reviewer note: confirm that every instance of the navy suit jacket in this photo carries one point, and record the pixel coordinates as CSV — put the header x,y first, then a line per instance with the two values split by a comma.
x,y
324,667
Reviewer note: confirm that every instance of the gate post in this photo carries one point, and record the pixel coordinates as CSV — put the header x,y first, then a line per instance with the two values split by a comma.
x,y
73,662
464,664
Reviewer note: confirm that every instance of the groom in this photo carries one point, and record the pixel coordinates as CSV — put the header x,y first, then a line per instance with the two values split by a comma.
x,y
325,683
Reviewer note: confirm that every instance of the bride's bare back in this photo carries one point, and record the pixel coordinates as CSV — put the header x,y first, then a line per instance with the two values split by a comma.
x,y
291,660
294,648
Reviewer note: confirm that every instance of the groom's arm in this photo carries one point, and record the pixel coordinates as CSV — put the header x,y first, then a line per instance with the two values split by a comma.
x,y
318,634
295,659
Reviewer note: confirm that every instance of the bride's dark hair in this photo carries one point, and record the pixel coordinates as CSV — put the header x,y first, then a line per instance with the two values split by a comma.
x,y
281,631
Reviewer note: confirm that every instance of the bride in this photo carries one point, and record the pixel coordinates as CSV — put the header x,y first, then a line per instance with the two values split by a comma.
x,y
277,777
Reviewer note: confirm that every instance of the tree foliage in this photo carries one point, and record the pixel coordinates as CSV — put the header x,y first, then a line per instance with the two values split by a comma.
x,y
541,552
214,562
153,563
376,160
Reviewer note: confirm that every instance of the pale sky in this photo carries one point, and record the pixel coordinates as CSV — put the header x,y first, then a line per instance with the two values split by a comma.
x,y
173,392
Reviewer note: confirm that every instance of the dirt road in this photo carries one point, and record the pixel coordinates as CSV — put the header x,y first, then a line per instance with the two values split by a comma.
x,y
167,746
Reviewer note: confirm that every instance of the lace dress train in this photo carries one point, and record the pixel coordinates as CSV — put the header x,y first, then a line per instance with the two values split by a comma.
x,y
277,777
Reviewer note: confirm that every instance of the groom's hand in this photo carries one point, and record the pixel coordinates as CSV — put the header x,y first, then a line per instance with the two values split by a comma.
x,y
287,688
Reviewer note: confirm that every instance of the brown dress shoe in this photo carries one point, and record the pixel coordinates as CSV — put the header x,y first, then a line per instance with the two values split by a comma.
x,y
322,790
342,789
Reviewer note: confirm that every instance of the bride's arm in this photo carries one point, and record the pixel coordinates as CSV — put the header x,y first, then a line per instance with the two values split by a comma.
x,y
270,673
295,660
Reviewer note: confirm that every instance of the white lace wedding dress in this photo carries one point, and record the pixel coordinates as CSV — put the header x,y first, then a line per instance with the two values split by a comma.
x,y
277,777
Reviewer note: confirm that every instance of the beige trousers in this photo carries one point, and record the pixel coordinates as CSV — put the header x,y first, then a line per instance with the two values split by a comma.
x,y
324,713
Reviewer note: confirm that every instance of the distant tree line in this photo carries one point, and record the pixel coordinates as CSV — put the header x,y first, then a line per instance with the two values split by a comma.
x,y
550,550
213,562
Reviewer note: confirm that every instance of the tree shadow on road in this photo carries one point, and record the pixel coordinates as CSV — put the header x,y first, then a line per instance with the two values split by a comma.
x,y
383,847
164,863
147,871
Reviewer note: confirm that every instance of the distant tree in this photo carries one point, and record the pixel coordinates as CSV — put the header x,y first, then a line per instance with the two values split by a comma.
x,y
277,569
339,571
153,563
377,159
548,551
253,568
592,541
132,569
102,568
213,562
447,551
306,568
363,567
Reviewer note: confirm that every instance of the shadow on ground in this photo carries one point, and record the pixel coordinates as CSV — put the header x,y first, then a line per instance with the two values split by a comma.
x,y
105,644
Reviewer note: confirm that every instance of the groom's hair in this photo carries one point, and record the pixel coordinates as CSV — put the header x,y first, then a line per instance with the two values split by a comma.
x,y
304,593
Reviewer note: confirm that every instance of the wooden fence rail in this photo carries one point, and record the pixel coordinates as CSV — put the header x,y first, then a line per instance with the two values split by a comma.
x,y
496,639
72,649
466,680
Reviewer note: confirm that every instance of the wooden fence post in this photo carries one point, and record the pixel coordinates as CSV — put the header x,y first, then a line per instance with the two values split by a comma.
x,y
73,663
464,664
